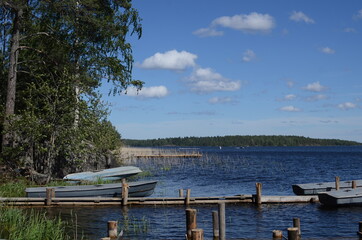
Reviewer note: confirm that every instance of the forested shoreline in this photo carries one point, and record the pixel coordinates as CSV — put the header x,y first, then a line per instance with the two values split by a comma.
x,y
55,55
238,141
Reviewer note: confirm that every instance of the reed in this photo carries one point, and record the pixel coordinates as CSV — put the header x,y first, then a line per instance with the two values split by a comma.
x,y
13,188
16,224
135,225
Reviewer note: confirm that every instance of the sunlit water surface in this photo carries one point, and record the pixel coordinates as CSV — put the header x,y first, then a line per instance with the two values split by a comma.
x,y
232,171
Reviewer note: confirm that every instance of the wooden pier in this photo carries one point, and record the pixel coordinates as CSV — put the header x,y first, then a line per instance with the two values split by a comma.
x,y
176,155
160,201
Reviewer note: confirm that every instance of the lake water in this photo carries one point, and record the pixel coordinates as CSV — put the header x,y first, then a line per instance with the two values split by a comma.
x,y
232,171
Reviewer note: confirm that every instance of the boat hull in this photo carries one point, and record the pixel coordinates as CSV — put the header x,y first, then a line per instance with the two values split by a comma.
x,y
315,188
110,174
136,189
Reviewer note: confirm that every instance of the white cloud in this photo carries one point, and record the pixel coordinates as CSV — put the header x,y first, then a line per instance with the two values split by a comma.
x,y
290,83
300,17
359,14
350,30
222,100
314,87
171,60
207,80
328,50
148,92
289,97
208,32
249,55
316,98
254,22
347,106
289,109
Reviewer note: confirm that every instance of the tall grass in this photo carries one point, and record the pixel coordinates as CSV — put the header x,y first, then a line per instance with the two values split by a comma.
x,y
16,224
13,188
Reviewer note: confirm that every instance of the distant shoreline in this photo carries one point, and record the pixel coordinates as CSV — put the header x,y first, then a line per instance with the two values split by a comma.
x,y
238,141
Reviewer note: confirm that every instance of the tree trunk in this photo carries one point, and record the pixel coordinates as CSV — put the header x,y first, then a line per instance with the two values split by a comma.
x,y
11,88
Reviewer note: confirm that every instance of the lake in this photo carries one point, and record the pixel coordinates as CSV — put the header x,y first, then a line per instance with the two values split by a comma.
x,y
232,171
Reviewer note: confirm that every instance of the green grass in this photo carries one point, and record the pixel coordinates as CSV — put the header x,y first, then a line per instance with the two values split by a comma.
x,y
18,225
16,188
13,188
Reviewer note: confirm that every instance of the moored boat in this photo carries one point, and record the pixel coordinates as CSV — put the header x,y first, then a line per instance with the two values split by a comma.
x,y
315,188
110,174
136,189
346,197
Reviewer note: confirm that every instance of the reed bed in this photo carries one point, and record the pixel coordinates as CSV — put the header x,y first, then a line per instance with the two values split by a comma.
x,y
126,153
16,224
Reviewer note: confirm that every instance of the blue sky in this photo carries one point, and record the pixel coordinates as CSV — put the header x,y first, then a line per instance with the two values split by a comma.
x,y
245,67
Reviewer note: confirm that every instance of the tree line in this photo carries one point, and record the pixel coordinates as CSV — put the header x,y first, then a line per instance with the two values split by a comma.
x,y
55,55
238,141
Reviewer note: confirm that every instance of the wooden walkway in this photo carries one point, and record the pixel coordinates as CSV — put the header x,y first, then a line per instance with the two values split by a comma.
x,y
101,201
190,155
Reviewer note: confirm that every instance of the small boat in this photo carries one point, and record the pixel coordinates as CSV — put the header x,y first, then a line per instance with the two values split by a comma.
x,y
110,174
315,188
136,189
344,197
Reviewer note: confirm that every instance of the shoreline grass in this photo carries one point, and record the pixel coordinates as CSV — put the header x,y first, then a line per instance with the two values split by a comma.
x,y
16,224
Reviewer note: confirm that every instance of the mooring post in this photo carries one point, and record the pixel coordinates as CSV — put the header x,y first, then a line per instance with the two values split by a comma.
x,y
188,194
360,229
112,229
222,223
296,224
277,234
197,234
293,233
50,194
337,183
190,222
258,193
181,193
354,184
215,225
124,192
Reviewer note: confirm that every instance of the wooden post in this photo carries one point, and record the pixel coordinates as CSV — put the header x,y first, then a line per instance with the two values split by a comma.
x,y
277,234
112,229
106,238
337,183
293,233
188,194
258,193
181,193
359,229
296,224
222,221
124,192
215,224
354,184
190,222
197,234
50,194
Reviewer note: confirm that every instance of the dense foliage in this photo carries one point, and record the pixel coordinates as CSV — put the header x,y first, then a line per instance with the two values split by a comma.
x,y
238,141
54,55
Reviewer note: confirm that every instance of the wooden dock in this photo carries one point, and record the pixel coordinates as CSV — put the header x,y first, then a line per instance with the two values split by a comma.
x,y
189,155
160,201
